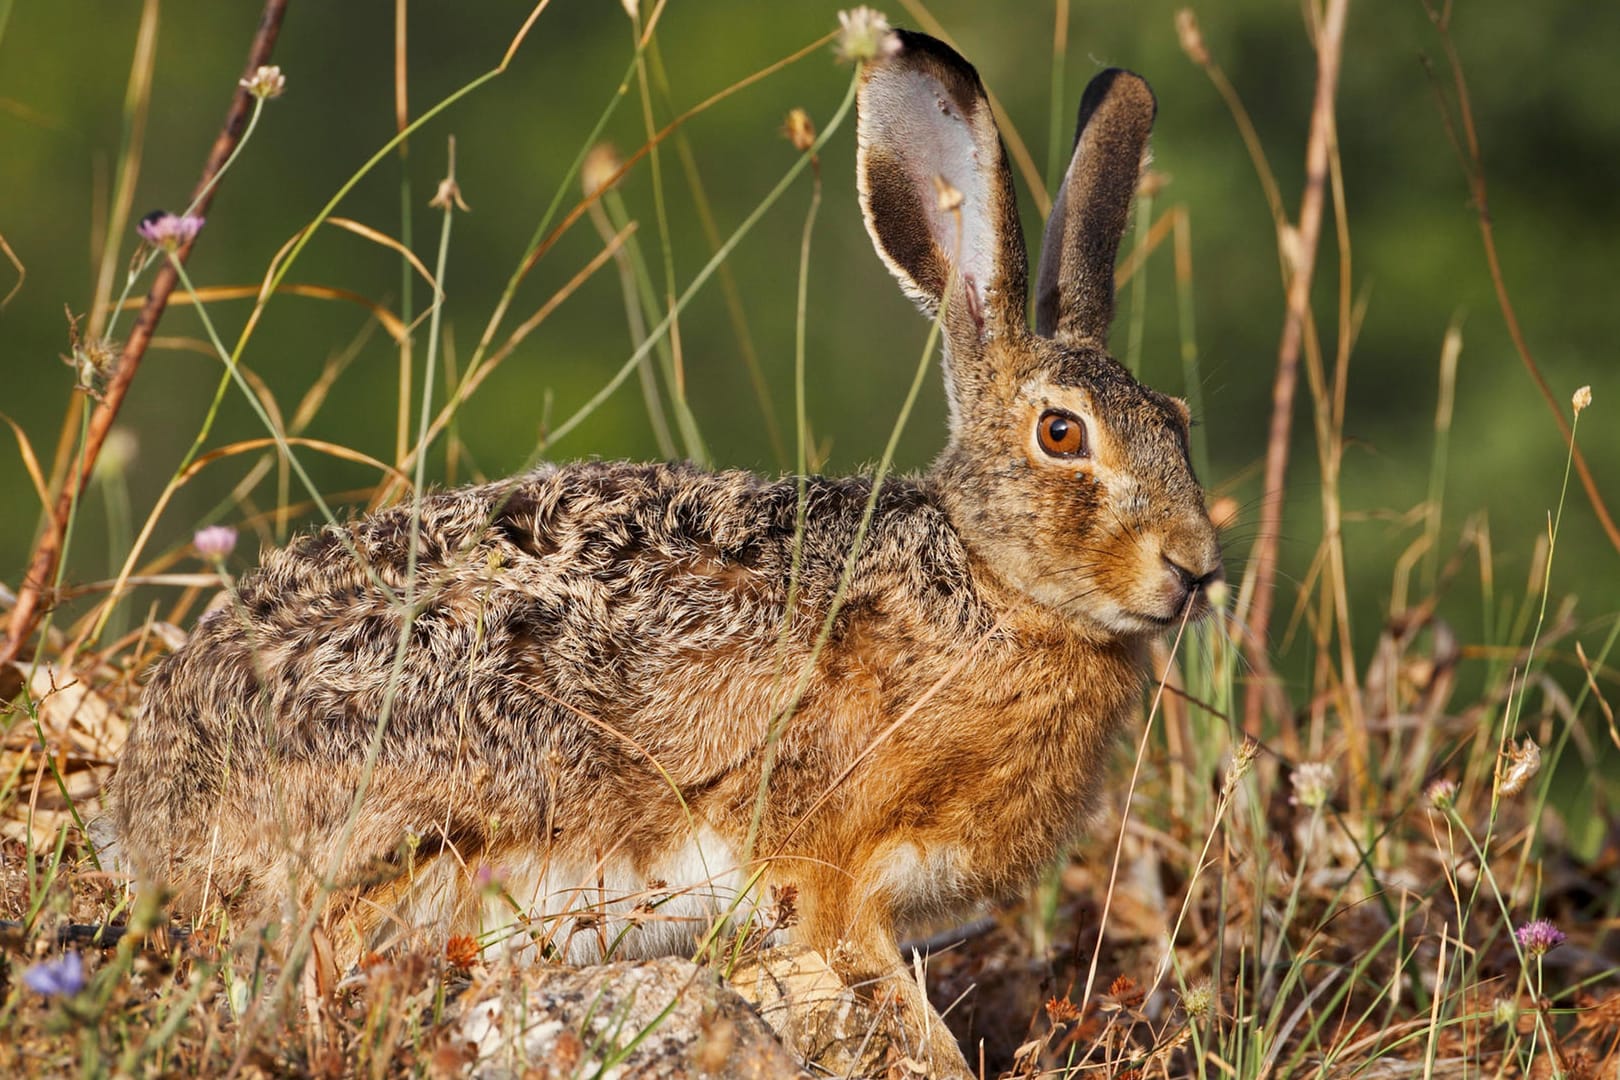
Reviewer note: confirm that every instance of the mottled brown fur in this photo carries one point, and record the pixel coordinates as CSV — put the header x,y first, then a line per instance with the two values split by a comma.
x,y
598,650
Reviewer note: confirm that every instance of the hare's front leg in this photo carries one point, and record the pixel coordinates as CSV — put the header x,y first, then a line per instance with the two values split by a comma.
x,y
854,930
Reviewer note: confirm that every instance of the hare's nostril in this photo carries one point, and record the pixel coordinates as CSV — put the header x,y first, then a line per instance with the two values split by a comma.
x,y
1191,580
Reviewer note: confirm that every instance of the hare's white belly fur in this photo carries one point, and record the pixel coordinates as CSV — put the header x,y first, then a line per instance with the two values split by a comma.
x,y
586,910
917,878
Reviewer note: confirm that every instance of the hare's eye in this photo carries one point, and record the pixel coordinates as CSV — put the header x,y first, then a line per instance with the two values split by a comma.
x,y
1062,434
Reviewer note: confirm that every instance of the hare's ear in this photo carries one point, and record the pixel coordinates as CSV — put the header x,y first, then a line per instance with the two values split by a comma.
x,y
926,134
1074,294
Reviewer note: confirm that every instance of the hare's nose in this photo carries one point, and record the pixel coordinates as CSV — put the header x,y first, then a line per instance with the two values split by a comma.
x,y
1192,580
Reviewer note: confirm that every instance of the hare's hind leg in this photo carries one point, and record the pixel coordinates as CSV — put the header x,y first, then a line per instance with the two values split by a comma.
x,y
419,909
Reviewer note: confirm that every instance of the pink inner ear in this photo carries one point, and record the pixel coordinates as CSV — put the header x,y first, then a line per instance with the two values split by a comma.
x,y
915,114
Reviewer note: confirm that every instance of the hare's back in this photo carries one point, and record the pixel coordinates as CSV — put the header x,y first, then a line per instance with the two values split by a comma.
x,y
529,616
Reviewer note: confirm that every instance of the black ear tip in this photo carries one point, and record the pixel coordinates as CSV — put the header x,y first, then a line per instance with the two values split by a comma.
x,y
915,41
1127,85
920,51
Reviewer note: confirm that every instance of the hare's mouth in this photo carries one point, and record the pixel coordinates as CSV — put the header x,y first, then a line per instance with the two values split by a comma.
x,y
1193,608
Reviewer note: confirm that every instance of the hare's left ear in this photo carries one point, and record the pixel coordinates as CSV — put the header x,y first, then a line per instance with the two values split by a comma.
x,y
1074,293
926,135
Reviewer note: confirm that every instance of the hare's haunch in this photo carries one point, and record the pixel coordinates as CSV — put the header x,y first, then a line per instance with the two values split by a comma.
x,y
555,715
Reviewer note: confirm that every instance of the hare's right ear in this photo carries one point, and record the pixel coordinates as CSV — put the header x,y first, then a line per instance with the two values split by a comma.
x,y
1074,292
926,135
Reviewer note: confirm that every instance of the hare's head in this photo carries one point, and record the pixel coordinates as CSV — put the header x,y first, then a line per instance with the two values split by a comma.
x,y
1062,470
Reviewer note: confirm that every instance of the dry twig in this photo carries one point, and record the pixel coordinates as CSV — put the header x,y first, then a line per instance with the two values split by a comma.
x,y
42,567
1329,46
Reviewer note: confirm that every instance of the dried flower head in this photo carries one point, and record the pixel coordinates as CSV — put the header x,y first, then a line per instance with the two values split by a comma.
x,y
267,82
61,977
1061,1011
800,130
1192,39
1124,990
1539,937
785,901
448,195
1581,399
600,168
1313,782
215,542
1198,999
92,362
462,951
1523,762
168,231
1441,793
864,34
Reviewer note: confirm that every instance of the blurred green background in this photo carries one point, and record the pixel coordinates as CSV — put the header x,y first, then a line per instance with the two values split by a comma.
x,y
1543,82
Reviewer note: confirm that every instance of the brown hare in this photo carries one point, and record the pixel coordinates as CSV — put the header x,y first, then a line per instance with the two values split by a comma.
x,y
551,704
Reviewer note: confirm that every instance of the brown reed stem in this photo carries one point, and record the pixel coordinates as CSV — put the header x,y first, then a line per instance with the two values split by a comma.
x,y
42,567
1329,47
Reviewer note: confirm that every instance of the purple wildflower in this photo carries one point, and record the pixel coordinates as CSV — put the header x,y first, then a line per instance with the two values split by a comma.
x,y
62,977
164,230
1539,937
490,879
214,542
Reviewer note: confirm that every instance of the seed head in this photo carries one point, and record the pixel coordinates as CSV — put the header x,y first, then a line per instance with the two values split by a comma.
x,y
1242,758
1539,937
1192,40
865,35
168,231
600,168
1313,781
1198,999
800,130
448,195
267,82
1582,398
92,362
215,542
